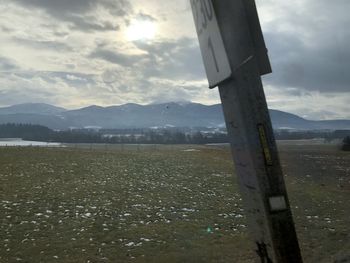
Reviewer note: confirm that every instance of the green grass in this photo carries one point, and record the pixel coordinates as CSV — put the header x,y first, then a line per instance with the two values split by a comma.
x,y
160,204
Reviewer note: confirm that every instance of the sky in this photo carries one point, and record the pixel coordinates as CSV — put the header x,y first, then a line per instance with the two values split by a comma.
x,y
76,53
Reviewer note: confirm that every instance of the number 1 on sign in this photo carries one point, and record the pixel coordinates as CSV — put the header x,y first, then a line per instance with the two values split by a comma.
x,y
212,47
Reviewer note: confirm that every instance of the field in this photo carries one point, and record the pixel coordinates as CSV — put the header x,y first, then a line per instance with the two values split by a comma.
x,y
159,204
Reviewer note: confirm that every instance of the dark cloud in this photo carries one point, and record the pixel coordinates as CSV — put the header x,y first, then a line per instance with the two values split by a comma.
x,y
115,57
146,17
308,46
7,64
77,12
5,29
323,68
43,44
61,34
62,7
88,23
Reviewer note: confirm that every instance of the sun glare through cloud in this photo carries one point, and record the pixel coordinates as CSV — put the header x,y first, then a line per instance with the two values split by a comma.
x,y
141,30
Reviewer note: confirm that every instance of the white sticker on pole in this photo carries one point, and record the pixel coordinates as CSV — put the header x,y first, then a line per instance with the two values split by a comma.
x,y
214,55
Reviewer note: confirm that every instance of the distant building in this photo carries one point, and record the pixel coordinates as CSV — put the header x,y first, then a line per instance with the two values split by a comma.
x,y
93,128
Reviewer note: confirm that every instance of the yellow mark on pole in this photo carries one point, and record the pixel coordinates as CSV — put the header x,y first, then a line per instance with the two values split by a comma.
x,y
264,144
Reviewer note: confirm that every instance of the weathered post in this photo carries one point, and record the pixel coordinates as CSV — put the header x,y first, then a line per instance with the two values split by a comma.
x,y
235,57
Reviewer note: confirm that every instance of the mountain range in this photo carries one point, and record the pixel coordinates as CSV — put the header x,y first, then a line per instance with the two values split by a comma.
x,y
146,116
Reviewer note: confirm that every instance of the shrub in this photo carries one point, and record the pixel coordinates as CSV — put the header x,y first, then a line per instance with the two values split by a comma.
x,y
346,144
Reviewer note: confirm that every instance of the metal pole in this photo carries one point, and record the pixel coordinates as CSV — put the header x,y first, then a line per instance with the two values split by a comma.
x,y
253,146
258,168
235,57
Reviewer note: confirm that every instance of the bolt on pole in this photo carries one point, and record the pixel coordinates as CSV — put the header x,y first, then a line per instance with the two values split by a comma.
x,y
235,57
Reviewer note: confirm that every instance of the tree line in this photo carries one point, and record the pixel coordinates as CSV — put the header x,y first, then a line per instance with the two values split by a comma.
x,y
148,136
143,136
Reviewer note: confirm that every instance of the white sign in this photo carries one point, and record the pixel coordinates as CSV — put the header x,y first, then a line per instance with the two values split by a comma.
x,y
212,47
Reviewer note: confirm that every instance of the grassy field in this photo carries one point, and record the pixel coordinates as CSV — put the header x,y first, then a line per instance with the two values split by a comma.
x,y
159,204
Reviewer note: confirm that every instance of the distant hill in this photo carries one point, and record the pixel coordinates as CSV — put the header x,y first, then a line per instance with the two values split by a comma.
x,y
32,108
146,116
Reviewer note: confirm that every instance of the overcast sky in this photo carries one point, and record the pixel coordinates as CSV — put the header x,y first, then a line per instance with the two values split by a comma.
x,y
75,53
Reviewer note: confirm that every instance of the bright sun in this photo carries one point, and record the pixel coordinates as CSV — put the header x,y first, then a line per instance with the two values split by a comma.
x,y
141,30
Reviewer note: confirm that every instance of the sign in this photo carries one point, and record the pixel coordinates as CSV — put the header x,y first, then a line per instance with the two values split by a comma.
x,y
257,37
212,47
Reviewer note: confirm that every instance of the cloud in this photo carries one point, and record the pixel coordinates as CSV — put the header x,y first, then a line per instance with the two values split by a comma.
x,y
89,23
308,46
174,59
310,67
145,17
313,105
43,44
62,7
116,57
58,88
75,53
168,59
7,64
82,14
